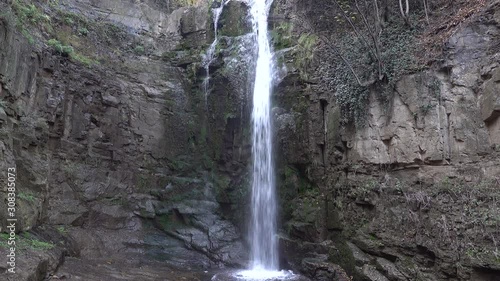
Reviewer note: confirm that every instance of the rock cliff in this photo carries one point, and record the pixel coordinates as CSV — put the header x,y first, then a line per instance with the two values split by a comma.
x,y
116,149
412,193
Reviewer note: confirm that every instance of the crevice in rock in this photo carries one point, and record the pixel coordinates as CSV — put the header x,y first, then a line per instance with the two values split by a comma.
x,y
493,126
485,274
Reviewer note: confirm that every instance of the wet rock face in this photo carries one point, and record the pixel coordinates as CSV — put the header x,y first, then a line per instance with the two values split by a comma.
x,y
120,157
235,20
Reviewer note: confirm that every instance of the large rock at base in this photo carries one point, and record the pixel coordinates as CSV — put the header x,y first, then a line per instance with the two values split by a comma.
x,y
324,271
311,259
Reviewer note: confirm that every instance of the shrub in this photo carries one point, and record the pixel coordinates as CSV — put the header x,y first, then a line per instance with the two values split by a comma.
x,y
62,230
66,50
83,31
68,20
26,196
139,50
60,48
281,36
29,14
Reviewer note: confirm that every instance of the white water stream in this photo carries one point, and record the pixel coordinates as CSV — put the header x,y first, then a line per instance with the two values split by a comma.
x,y
263,241
209,56
264,260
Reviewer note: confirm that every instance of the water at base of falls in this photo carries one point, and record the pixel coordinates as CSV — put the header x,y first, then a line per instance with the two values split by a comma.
x,y
258,275
262,274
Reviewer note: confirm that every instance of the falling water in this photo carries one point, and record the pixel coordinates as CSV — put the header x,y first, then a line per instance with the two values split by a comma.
x,y
217,8
263,241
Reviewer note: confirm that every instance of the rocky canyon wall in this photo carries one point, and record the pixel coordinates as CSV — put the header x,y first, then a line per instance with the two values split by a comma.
x,y
118,152
411,194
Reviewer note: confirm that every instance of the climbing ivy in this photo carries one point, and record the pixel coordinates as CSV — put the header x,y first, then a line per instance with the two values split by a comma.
x,y
398,59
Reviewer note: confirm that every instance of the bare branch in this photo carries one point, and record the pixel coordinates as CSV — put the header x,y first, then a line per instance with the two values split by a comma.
x,y
358,34
374,34
405,11
326,42
426,5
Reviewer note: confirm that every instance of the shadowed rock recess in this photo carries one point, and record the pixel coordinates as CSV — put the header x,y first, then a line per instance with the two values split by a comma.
x,y
127,170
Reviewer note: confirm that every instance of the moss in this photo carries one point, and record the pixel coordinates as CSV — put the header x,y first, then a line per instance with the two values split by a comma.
x,y
372,237
71,19
139,50
281,36
64,50
298,196
207,161
169,55
221,184
344,258
143,182
29,13
168,222
118,201
180,164
62,230
26,16
301,104
203,133
26,196
68,51
4,237
83,31
26,241
88,62
28,36
164,221
304,53
482,255
188,3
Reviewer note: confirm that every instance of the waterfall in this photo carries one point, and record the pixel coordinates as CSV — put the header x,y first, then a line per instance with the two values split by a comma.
x,y
263,242
264,260
217,8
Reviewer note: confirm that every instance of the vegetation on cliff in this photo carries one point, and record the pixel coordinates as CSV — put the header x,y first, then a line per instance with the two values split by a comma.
x,y
378,42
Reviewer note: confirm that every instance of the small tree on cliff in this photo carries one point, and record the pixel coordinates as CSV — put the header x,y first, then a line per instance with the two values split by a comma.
x,y
370,47
368,20
365,20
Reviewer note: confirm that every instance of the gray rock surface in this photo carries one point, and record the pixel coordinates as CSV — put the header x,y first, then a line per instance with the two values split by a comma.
x,y
113,145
